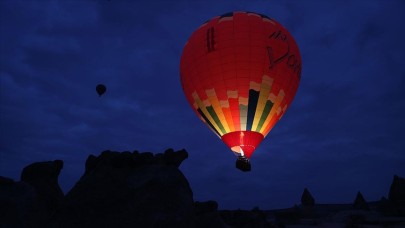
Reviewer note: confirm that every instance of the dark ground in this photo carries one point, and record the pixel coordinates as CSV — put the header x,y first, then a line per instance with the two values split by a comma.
x,y
132,189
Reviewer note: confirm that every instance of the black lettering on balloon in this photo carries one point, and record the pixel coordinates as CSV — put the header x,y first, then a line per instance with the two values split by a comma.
x,y
292,61
272,59
210,40
278,35
298,69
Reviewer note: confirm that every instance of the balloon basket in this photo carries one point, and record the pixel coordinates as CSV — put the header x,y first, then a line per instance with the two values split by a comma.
x,y
243,164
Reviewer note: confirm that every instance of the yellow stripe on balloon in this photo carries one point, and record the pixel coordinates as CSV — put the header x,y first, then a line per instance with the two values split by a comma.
x,y
227,113
263,95
212,96
202,107
276,102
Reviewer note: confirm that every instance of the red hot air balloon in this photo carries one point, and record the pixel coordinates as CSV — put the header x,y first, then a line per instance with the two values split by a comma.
x,y
240,72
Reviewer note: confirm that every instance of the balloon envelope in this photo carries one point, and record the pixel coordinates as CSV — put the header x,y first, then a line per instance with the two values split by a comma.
x,y
100,88
240,72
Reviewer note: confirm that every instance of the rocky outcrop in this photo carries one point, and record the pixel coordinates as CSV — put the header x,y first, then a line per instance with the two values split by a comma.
x,y
397,194
397,190
386,207
207,215
307,204
19,205
132,189
123,189
43,176
35,199
360,203
306,199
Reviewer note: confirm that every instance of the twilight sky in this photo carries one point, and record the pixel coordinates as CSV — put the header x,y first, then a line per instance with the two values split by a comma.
x,y
343,133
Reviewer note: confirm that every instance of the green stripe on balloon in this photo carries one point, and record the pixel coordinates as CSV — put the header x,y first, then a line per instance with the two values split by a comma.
x,y
207,121
214,116
265,113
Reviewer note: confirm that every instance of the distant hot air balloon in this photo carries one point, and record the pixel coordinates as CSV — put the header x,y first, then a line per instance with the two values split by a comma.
x,y
100,88
240,72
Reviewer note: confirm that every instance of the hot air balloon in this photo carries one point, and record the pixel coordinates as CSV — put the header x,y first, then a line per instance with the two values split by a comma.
x,y
100,88
240,72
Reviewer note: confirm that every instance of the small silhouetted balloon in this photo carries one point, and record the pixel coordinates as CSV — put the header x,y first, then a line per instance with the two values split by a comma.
x,y
100,88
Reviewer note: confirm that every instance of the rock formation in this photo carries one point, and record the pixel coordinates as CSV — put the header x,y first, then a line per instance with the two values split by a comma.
x,y
397,190
397,194
122,189
306,199
43,176
132,189
386,207
360,203
207,215
35,199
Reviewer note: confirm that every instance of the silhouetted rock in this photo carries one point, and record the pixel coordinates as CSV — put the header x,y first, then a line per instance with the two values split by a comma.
x,y
287,216
4,181
307,199
20,205
207,215
34,200
308,204
386,207
205,207
245,219
91,164
173,158
397,194
43,176
127,189
397,190
132,189
360,203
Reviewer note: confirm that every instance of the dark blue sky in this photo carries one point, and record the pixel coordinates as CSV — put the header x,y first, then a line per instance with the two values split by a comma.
x,y
343,133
